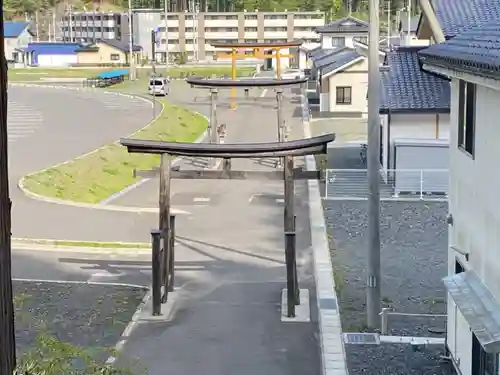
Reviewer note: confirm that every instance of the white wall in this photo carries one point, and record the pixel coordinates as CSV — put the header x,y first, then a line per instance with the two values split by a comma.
x,y
407,126
356,77
57,60
420,126
474,204
326,39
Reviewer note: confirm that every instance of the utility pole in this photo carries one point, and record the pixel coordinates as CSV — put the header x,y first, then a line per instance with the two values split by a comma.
x,y
131,57
7,334
54,25
373,158
389,28
408,35
70,23
166,39
37,26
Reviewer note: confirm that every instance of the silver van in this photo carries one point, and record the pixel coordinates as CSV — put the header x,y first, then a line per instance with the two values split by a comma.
x,y
159,86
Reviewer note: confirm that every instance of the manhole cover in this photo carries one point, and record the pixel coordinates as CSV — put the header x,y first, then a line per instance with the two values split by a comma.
x,y
361,338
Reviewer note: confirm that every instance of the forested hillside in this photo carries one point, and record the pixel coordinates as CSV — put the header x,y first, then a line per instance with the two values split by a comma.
x,y
333,8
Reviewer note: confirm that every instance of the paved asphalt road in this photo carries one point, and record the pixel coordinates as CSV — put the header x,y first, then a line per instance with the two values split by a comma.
x,y
70,123
40,264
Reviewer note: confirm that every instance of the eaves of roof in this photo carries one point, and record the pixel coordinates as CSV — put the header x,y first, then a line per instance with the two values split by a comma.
x,y
475,51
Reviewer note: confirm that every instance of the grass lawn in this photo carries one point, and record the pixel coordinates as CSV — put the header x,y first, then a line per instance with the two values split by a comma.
x,y
95,177
36,74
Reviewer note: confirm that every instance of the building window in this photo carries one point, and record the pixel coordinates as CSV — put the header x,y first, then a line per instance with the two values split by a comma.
x,y
338,42
344,95
466,116
114,57
459,268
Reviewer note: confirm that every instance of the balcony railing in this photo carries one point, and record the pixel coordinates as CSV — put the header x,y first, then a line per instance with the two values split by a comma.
x,y
422,184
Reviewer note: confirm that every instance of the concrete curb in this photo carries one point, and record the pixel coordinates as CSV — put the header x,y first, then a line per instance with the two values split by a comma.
x,y
98,206
333,356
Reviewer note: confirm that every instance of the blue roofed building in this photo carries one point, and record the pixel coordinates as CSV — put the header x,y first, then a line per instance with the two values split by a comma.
x,y
17,37
415,110
471,59
51,54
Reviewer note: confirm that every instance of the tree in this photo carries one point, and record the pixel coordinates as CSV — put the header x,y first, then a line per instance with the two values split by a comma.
x,y
7,334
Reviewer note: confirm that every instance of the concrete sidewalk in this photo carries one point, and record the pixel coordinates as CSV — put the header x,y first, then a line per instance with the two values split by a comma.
x,y
227,313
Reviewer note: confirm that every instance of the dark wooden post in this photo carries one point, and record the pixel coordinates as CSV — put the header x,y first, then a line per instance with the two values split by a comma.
x,y
165,180
213,127
172,254
279,102
7,335
290,242
156,270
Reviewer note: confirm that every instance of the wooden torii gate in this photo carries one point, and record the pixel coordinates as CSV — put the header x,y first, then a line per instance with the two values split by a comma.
x,y
287,150
283,150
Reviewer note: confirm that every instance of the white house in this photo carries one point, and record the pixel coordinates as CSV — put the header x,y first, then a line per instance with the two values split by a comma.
x,y
343,32
17,37
342,77
472,60
415,114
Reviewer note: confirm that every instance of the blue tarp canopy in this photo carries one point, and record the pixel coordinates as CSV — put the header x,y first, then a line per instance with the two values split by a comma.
x,y
113,74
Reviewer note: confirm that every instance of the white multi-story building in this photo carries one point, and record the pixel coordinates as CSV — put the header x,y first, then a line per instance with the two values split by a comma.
x,y
193,33
471,58
91,26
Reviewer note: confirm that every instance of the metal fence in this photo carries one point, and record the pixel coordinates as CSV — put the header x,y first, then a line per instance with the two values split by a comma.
x,y
420,184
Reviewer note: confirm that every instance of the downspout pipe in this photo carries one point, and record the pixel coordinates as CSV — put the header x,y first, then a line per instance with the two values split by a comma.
x,y
431,18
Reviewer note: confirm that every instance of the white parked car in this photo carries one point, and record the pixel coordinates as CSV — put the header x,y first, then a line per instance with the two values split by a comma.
x,y
159,86
292,74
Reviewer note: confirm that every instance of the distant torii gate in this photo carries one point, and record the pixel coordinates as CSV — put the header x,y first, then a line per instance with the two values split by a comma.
x,y
258,51
287,150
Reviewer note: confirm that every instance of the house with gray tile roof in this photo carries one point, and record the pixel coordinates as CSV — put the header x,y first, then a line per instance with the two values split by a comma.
x,y
342,78
471,59
456,16
414,105
342,32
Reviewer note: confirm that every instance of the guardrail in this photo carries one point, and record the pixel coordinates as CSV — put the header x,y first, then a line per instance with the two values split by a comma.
x,y
162,264
394,184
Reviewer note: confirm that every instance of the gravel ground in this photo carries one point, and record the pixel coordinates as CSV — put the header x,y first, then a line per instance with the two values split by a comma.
x,y
89,316
414,256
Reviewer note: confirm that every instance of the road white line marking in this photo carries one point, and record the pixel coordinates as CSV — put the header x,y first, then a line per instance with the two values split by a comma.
x,y
201,199
264,92
280,200
79,282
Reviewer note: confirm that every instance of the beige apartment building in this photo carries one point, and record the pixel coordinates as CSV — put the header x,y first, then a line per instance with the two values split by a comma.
x,y
193,33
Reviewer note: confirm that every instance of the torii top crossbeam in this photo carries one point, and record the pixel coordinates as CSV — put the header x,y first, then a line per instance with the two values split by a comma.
x,y
301,147
254,82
